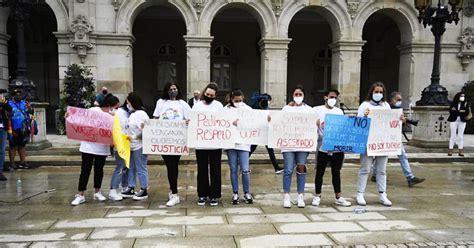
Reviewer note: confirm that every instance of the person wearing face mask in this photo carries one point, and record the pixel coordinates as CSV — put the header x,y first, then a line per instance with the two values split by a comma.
x,y
172,107
209,184
336,159
99,98
459,113
240,154
375,100
395,101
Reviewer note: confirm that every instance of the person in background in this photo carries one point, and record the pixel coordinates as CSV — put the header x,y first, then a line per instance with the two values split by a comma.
x,y
193,100
458,115
5,110
100,97
395,101
20,122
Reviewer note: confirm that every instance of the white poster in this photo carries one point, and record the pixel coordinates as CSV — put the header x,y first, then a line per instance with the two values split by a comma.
x,y
252,127
168,137
293,131
211,129
385,135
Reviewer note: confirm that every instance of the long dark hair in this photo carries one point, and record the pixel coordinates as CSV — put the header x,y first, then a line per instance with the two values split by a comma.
x,y
455,101
211,86
136,101
166,89
235,92
368,98
298,87
109,101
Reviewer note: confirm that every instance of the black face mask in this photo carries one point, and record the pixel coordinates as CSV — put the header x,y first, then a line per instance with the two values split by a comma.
x,y
173,93
104,92
17,98
208,99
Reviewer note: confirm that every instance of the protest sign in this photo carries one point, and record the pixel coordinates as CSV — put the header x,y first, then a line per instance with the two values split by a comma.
x,y
345,134
211,130
167,137
252,127
293,131
385,136
89,125
121,142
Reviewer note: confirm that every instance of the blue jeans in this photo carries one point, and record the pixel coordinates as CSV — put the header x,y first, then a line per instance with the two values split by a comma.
x,y
291,160
120,174
138,167
403,163
3,142
236,157
380,165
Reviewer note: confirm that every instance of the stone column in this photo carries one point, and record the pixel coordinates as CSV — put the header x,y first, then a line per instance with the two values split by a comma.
x,y
274,69
4,37
198,63
346,67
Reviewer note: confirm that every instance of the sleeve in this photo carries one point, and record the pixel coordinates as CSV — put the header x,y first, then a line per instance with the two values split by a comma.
x,y
453,110
156,113
8,107
186,109
361,110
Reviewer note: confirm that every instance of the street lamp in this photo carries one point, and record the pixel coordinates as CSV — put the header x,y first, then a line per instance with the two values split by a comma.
x,y
436,14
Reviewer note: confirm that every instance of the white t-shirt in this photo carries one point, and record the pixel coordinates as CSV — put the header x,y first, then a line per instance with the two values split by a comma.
x,y
123,118
371,105
95,148
322,111
215,106
135,121
240,147
302,108
171,110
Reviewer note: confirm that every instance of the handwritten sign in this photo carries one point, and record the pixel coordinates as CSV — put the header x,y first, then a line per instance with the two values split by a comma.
x,y
168,137
121,143
385,136
345,134
211,130
252,127
293,131
89,125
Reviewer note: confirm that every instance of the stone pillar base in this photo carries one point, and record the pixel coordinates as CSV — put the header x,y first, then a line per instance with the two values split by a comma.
x,y
39,141
40,145
433,128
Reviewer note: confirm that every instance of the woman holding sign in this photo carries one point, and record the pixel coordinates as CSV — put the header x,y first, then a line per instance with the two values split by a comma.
x,y
172,107
375,100
209,160
94,154
240,154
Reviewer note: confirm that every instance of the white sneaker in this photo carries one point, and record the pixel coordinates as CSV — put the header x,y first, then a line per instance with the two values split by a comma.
x,y
99,196
169,195
301,203
78,199
316,201
384,200
287,201
174,199
342,202
114,196
360,199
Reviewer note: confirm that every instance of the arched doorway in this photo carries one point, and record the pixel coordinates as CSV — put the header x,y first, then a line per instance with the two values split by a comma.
x,y
235,53
159,52
42,56
309,55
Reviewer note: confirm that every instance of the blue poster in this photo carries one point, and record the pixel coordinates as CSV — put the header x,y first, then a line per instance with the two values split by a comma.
x,y
345,134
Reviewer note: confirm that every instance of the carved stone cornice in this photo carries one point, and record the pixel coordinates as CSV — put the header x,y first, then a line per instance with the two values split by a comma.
x,y
81,28
198,5
352,7
277,6
467,52
468,9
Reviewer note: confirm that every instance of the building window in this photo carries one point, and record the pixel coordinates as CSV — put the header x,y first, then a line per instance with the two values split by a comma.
x,y
166,66
221,72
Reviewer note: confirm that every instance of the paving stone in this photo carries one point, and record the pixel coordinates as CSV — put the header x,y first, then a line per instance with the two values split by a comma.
x,y
268,218
77,244
126,233
387,225
15,245
98,222
283,240
349,216
187,242
371,208
145,213
184,220
26,225
376,237
448,234
50,235
60,215
229,230
224,211
319,227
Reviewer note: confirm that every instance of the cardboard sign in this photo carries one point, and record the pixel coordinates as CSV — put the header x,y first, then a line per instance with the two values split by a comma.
x,y
293,131
166,137
211,130
252,127
121,143
345,134
89,125
385,136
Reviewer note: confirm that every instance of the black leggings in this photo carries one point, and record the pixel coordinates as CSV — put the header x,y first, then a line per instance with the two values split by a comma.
x,y
87,161
336,161
171,162
209,173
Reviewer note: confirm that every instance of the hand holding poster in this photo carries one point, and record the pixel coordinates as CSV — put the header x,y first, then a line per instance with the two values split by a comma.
x,y
345,134
167,137
89,125
211,130
293,131
121,142
385,136
252,126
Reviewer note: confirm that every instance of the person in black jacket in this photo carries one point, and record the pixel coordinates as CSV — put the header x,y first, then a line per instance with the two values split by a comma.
x,y
5,110
458,111
196,98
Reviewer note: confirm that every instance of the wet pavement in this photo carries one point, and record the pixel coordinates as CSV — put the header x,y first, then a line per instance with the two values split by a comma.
x,y
437,212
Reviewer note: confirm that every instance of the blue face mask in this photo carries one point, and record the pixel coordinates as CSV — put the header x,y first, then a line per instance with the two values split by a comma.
x,y
398,104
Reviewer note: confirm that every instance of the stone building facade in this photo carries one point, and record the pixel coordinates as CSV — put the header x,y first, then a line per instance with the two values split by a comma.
x,y
257,45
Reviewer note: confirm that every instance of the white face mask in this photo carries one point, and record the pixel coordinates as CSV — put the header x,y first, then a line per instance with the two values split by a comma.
x,y
129,106
461,99
113,111
238,104
332,102
298,99
377,97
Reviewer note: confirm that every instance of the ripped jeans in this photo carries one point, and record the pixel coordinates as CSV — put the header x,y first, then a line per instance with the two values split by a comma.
x,y
237,157
292,160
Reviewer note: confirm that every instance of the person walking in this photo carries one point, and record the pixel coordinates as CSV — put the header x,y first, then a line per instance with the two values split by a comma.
x,y
5,110
459,113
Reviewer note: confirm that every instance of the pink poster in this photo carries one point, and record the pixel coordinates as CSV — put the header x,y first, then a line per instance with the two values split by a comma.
x,y
89,125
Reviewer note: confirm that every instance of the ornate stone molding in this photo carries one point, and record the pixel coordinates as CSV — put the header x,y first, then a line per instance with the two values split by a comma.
x,y
81,28
352,7
198,5
468,8
277,6
116,4
467,52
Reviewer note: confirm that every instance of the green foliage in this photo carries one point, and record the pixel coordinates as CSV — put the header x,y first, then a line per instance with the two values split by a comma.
x,y
469,92
78,91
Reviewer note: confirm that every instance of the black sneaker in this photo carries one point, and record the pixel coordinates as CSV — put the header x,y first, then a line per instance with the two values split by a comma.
x,y
248,198
129,193
141,195
14,166
415,180
235,199
24,166
213,202
373,178
202,201
2,177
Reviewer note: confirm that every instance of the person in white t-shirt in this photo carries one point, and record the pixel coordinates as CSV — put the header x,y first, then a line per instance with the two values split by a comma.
x,y
375,99
209,182
94,154
240,154
336,159
138,160
172,107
